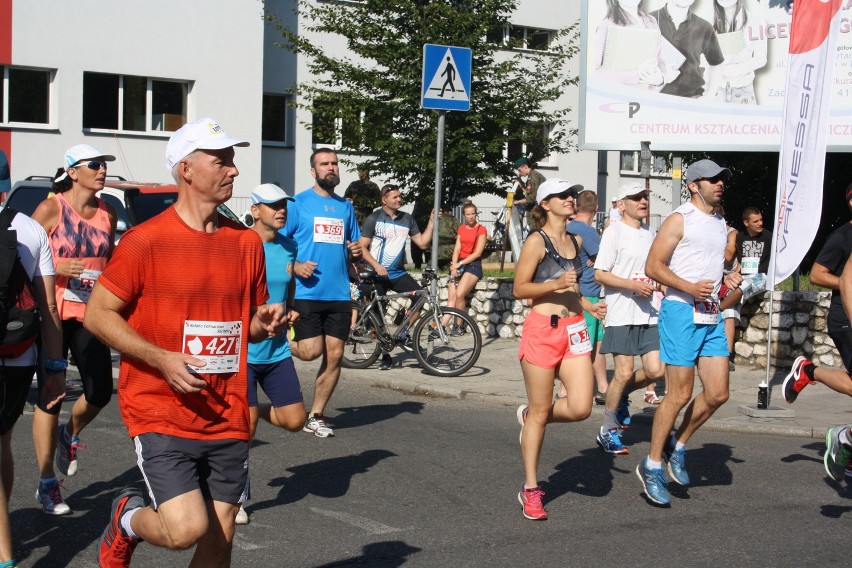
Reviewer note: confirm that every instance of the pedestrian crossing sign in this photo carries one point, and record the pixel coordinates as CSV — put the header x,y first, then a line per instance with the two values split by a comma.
x,y
446,77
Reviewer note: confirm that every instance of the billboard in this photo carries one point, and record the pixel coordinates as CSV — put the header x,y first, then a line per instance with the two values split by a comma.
x,y
703,75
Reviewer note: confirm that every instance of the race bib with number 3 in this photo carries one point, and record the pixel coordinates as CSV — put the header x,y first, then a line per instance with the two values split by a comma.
x,y
79,289
328,230
217,343
579,341
705,311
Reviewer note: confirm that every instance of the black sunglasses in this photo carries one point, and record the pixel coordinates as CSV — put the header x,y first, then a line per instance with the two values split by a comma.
x,y
714,179
566,194
92,165
637,197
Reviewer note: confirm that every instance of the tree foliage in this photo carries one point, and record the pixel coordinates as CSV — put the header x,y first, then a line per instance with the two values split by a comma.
x,y
375,89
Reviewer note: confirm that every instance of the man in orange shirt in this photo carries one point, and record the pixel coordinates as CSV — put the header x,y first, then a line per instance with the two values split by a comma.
x,y
180,323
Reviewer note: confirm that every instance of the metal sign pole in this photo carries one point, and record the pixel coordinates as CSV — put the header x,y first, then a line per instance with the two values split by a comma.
x,y
439,172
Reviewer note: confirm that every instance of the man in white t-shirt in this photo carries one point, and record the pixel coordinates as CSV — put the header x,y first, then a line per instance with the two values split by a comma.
x,y
17,373
614,213
632,305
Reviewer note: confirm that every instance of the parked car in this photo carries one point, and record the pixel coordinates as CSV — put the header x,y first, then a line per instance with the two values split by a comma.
x,y
134,202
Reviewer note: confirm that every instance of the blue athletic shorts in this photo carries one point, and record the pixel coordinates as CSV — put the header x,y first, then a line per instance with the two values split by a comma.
x,y
682,341
278,380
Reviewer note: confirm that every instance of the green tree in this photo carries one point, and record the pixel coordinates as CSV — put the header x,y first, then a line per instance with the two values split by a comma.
x,y
374,89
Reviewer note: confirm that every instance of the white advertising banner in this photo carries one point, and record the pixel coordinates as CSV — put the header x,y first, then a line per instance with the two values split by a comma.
x,y
813,38
703,75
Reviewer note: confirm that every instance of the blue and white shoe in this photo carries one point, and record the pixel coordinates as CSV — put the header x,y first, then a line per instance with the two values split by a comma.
x,y
654,482
610,441
622,415
677,464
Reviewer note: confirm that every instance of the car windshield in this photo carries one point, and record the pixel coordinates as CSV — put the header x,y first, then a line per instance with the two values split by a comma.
x,y
26,199
147,205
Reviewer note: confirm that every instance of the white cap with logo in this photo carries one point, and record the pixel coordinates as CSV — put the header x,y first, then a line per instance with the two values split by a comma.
x,y
202,134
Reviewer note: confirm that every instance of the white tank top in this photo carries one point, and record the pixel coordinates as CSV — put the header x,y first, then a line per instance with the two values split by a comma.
x,y
700,255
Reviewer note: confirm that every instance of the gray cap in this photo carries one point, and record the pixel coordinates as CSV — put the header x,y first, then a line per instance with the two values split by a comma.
x,y
705,169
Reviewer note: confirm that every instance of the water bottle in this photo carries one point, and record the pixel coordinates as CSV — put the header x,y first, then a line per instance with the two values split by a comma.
x,y
763,395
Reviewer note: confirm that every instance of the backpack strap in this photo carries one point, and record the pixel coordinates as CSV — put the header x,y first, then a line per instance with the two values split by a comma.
x,y
8,251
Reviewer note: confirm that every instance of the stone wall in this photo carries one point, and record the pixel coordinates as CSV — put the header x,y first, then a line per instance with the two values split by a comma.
x,y
799,322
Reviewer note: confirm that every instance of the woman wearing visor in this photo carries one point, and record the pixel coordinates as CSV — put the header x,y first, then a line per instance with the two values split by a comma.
x,y
555,341
81,231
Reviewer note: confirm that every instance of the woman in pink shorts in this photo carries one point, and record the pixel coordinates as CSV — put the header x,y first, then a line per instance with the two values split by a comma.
x,y
555,341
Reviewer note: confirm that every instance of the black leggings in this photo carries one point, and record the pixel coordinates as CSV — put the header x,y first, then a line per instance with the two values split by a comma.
x,y
93,360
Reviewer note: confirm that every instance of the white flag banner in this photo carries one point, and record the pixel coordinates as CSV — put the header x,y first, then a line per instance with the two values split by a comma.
x,y
810,74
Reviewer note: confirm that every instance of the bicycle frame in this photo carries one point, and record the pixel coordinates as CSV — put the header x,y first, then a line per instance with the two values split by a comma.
x,y
423,296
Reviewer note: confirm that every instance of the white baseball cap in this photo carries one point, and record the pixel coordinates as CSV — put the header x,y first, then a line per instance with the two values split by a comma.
x,y
269,193
202,134
629,189
555,186
80,152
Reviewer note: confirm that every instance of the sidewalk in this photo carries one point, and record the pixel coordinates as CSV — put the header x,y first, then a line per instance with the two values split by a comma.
x,y
497,379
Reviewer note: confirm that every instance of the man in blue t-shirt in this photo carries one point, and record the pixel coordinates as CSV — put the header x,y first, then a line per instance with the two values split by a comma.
x,y
325,229
383,238
587,208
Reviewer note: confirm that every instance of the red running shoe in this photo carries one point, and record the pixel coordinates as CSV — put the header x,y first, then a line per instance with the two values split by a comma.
x,y
530,500
116,547
796,380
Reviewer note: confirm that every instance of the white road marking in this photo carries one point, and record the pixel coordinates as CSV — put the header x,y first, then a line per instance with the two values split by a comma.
x,y
367,525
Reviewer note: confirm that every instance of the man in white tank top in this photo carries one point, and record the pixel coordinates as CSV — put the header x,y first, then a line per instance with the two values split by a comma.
x,y
687,257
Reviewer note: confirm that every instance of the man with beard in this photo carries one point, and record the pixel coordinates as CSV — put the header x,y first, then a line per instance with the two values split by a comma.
x,y
687,257
326,231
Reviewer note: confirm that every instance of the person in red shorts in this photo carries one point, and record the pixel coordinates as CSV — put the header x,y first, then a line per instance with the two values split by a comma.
x,y
181,324
555,340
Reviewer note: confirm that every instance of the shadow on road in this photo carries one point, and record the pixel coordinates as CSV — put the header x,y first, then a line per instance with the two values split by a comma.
x,y
67,536
355,416
380,555
590,474
325,478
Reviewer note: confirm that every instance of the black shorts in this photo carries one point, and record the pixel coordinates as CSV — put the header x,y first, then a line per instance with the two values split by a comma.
x,y
474,268
14,386
173,466
404,283
318,318
843,341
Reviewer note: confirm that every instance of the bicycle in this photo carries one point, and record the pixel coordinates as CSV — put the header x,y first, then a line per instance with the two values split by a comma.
x,y
440,350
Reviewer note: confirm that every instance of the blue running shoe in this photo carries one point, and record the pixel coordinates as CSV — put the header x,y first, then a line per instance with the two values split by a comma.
x,y
654,482
622,415
677,464
610,441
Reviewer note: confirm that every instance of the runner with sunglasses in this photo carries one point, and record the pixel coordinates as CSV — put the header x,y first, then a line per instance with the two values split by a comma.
x,y
555,341
81,232
688,257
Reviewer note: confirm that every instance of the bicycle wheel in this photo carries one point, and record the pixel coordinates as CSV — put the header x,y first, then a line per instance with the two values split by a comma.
x,y
441,353
362,347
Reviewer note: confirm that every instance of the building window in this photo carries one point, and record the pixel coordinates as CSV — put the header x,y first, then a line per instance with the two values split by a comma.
x,y
25,95
630,165
531,142
275,111
520,37
133,104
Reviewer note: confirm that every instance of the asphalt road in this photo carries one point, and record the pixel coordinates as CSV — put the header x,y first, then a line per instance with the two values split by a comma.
x,y
417,481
